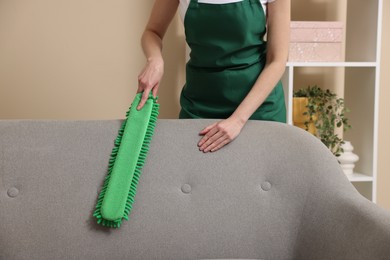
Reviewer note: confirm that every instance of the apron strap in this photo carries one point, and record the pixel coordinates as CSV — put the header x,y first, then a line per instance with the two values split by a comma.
x,y
252,1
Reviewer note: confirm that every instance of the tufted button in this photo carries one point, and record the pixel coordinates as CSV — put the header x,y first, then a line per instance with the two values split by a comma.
x,y
186,188
266,186
13,192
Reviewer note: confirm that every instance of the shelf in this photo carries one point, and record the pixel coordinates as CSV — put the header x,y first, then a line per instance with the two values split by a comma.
x,y
331,64
359,177
355,77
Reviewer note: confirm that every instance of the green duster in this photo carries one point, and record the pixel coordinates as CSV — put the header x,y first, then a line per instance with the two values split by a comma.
x,y
126,161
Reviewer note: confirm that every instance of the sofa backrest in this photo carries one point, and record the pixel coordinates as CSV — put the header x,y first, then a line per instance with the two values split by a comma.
x,y
243,201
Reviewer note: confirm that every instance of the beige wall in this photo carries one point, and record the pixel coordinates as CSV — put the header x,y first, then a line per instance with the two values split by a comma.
x,y
80,60
384,119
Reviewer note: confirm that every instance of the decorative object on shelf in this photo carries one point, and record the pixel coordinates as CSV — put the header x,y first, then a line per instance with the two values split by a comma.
x,y
315,41
326,111
347,159
300,117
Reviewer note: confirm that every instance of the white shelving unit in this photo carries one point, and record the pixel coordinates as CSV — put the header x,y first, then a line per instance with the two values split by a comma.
x,y
361,87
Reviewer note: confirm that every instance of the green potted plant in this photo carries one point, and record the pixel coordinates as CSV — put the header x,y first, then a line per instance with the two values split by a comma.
x,y
323,110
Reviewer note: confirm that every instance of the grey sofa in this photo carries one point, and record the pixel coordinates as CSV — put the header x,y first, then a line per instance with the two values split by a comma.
x,y
275,192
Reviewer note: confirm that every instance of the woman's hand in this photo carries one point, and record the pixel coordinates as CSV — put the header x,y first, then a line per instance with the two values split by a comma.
x,y
219,134
149,79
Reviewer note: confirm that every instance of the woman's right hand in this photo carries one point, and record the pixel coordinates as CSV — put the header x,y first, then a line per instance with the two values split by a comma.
x,y
149,79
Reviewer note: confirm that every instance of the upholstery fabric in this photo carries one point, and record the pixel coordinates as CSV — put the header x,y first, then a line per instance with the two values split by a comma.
x,y
275,192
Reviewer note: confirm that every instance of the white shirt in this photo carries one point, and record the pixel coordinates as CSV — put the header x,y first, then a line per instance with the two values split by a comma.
x,y
184,4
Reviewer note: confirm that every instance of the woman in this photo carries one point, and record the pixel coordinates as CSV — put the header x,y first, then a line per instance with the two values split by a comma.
x,y
233,74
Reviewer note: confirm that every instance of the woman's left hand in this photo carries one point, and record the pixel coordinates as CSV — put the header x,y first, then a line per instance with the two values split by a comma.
x,y
219,134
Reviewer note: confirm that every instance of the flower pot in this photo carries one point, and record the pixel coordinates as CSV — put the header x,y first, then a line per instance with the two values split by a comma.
x,y
299,107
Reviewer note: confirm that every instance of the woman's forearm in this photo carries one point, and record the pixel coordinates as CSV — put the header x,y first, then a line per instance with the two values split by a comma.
x,y
278,38
151,45
162,14
267,80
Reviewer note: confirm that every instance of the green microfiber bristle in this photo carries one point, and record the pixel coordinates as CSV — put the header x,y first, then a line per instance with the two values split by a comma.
x,y
114,210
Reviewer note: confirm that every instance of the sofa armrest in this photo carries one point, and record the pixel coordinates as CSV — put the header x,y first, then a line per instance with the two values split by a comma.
x,y
344,226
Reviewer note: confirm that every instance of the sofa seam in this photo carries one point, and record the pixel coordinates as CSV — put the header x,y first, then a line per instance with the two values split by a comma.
x,y
301,221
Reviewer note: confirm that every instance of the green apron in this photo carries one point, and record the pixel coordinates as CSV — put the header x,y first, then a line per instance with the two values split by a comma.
x,y
227,55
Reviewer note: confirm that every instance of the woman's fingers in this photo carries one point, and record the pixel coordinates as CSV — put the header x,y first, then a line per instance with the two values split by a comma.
x,y
214,135
221,144
143,86
146,87
206,129
212,147
206,137
149,80
155,89
144,97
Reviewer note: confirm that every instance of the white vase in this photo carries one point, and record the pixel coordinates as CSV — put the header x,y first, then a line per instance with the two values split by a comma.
x,y
347,159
